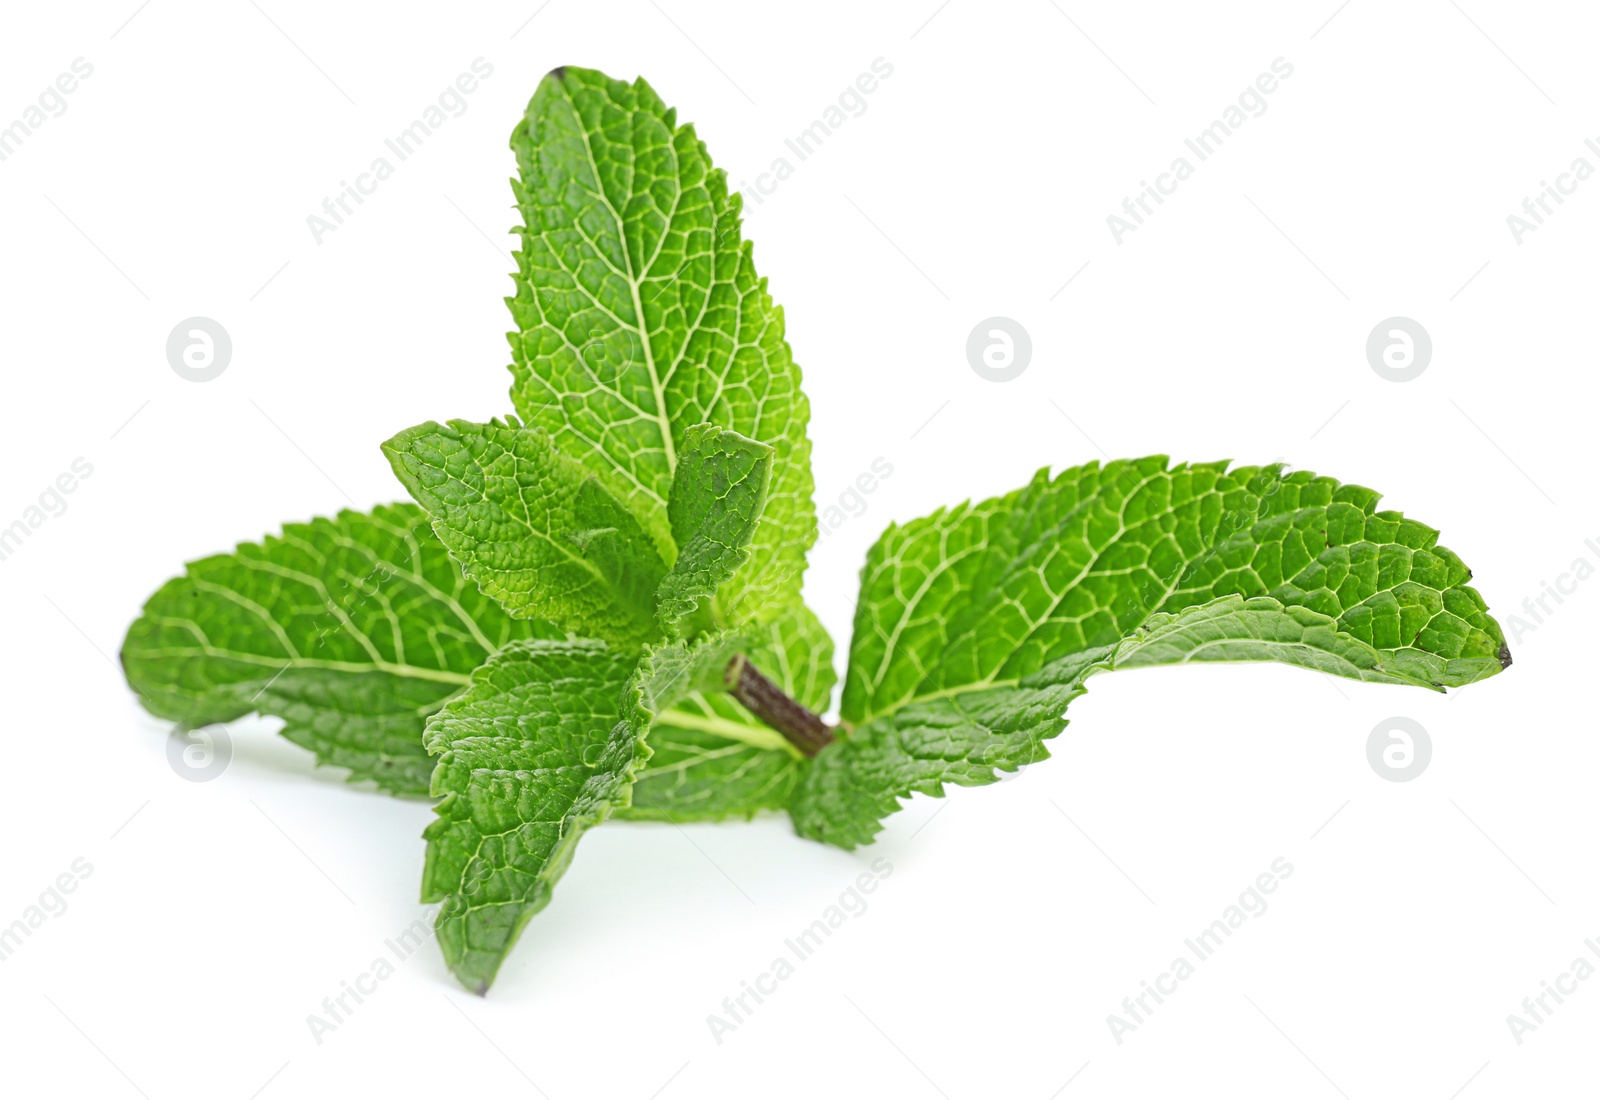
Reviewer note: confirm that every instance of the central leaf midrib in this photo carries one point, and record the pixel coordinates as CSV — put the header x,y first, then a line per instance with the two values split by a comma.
x,y
413,672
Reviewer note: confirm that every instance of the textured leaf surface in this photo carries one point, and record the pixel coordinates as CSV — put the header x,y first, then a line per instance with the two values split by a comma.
x,y
639,314
532,527
353,630
711,759
531,756
977,625
716,502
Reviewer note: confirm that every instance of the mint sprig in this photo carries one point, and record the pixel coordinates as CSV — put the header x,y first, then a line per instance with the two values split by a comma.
x,y
595,611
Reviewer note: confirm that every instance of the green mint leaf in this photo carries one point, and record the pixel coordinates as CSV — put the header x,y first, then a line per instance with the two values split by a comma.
x,y
353,630
531,756
639,314
542,746
977,625
711,759
717,496
532,527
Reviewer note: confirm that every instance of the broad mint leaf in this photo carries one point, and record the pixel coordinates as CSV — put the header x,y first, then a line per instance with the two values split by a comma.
x,y
639,314
532,527
717,496
977,625
531,756
711,759
353,630
540,748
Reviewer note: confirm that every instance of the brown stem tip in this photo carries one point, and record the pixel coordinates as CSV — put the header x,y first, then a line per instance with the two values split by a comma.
x,y
804,729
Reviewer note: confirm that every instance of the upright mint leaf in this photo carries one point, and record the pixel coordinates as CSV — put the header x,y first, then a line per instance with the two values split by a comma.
x,y
532,527
353,630
711,759
977,625
531,756
716,501
639,314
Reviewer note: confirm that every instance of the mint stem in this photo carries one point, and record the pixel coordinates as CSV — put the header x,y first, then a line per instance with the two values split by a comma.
x,y
804,729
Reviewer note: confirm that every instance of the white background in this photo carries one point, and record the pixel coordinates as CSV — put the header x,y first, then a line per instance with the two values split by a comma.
x,y
978,182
